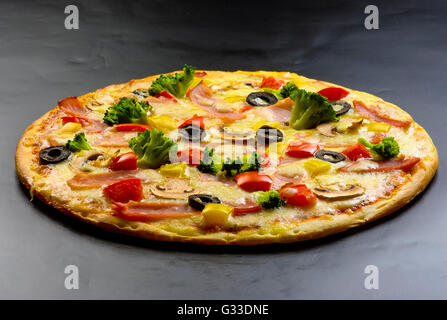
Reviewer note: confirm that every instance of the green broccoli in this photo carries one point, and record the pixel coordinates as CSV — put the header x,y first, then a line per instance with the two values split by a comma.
x,y
152,148
388,148
208,162
127,110
310,109
78,143
176,84
269,199
288,89
250,162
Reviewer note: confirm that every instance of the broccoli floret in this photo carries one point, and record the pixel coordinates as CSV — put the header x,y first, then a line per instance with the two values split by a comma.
x,y
152,148
127,110
388,148
269,199
310,109
250,162
208,162
288,89
176,84
78,143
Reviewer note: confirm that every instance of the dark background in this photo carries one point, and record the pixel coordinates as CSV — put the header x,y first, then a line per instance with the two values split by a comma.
x,y
403,62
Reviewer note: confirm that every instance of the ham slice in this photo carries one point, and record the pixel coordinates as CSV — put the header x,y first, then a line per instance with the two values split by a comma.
x,y
97,180
95,126
202,96
150,211
375,114
279,111
404,164
116,140
72,106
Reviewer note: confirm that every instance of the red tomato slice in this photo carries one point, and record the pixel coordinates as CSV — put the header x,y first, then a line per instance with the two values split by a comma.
x,y
135,127
333,93
196,120
298,195
272,83
302,149
253,181
356,152
191,156
166,95
126,161
125,190
76,119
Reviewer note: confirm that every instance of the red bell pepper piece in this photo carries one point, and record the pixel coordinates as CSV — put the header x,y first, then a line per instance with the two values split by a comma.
x,y
246,209
135,127
126,161
196,120
298,195
76,119
333,93
302,149
253,181
246,108
272,83
191,156
166,95
356,152
125,190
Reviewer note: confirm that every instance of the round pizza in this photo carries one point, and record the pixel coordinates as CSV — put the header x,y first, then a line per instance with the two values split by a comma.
x,y
216,157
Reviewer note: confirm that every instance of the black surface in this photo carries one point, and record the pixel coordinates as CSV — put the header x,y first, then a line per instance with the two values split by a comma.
x,y
403,62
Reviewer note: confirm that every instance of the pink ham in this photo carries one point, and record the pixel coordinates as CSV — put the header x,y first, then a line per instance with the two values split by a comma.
x,y
72,106
150,211
202,96
404,164
375,114
97,180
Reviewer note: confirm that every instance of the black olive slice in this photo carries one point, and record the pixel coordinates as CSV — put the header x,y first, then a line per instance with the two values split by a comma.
x,y
345,106
54,154
329,156
267,135
192,132
261,99
199,201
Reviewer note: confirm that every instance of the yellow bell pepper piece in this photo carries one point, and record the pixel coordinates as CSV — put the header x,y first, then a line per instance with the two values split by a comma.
x,y
378,127
317,166
174,170
216,214
276,149
234,99
163,123
70,127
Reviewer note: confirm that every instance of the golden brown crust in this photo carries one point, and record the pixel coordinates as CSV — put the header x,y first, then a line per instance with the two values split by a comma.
x,y
305,230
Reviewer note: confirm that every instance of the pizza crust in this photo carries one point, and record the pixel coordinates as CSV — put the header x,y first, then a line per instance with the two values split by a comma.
x,y
307,229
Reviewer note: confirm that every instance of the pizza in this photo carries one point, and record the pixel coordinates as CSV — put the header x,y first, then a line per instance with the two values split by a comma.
x,y
216,157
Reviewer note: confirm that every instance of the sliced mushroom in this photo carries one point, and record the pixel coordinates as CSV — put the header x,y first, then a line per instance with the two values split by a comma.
x,y
331,129
327,129
346,124
338,192
91,159
235,137
173,189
